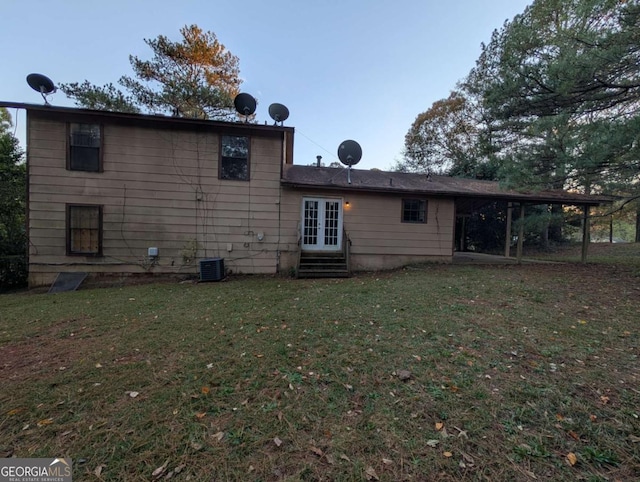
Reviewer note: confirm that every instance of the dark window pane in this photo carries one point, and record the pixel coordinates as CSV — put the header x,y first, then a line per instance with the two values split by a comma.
x,y
233,168
234,159
414,210
84,159
84,147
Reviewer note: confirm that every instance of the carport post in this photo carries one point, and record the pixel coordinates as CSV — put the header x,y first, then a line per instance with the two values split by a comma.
x,y
507,240
520,234
585,232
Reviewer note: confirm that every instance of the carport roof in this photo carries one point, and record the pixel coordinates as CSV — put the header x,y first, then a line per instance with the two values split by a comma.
x,y
297,176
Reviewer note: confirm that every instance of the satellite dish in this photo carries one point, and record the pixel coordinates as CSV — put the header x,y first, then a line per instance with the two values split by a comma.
x,y
279,112
41,83
350,153
245,104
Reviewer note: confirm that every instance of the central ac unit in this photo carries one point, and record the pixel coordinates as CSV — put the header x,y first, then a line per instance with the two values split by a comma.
x,y
212,269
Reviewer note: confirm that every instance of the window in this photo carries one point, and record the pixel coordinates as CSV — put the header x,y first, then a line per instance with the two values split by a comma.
x,y
84,230
85,142
234,160
414,211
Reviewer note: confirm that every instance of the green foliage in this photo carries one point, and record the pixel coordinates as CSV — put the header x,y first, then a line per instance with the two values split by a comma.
x,y
561,86
13,182
107,97
552,103
196,77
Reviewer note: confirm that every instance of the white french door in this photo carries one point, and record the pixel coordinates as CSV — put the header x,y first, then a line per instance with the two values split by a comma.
x,y
321,224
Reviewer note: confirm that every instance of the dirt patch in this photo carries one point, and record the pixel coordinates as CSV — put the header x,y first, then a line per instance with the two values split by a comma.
x,y
54,350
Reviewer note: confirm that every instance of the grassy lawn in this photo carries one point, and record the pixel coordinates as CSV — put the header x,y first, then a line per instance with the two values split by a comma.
x,y
447,373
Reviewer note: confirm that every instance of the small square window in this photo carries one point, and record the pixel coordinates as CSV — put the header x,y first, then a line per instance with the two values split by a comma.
x,y
85,142
414,211
84,230
234,158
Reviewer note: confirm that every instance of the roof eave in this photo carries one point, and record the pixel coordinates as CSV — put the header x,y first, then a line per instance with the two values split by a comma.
x,y
513,197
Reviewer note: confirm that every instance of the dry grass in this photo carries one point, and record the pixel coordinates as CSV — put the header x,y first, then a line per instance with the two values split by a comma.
x,y
512,368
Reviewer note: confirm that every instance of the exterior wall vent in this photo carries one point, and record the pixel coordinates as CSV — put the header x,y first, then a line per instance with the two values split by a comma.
x,y
211,269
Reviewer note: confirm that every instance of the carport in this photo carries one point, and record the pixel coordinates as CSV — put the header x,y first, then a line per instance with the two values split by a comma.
x,y
486,192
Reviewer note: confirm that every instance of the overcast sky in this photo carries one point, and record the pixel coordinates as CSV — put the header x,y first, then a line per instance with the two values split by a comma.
x,y
346,69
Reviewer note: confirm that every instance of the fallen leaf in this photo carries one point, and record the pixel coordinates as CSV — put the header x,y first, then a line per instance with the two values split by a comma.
x,y
387,461
330,459
179,468
15,411
160,470
218,436
433,442
316,451
201,414
604,399
593,418
572,459
98,470
98,365
371,474
205,390
447,454
559,417
196,446
277,441
468,458
439,426
344,457
573,435
132,394
46,421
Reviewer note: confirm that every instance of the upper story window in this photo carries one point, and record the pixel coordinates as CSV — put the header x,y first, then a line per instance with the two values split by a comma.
x,y
84,229
85,147
414,211
234,158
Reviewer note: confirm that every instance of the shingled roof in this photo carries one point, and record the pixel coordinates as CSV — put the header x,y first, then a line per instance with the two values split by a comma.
x,y
297,176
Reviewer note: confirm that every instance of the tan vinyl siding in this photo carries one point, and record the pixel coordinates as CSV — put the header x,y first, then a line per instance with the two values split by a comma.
x,y
374,224
159,188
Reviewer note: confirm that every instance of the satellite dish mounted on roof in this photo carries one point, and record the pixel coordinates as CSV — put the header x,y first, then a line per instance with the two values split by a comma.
x,y
349,153
43,84
278,113
245,104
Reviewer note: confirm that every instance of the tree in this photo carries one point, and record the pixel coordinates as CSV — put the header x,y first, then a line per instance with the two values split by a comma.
x,y
561,85
448,139
196,77
13,182
441,137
